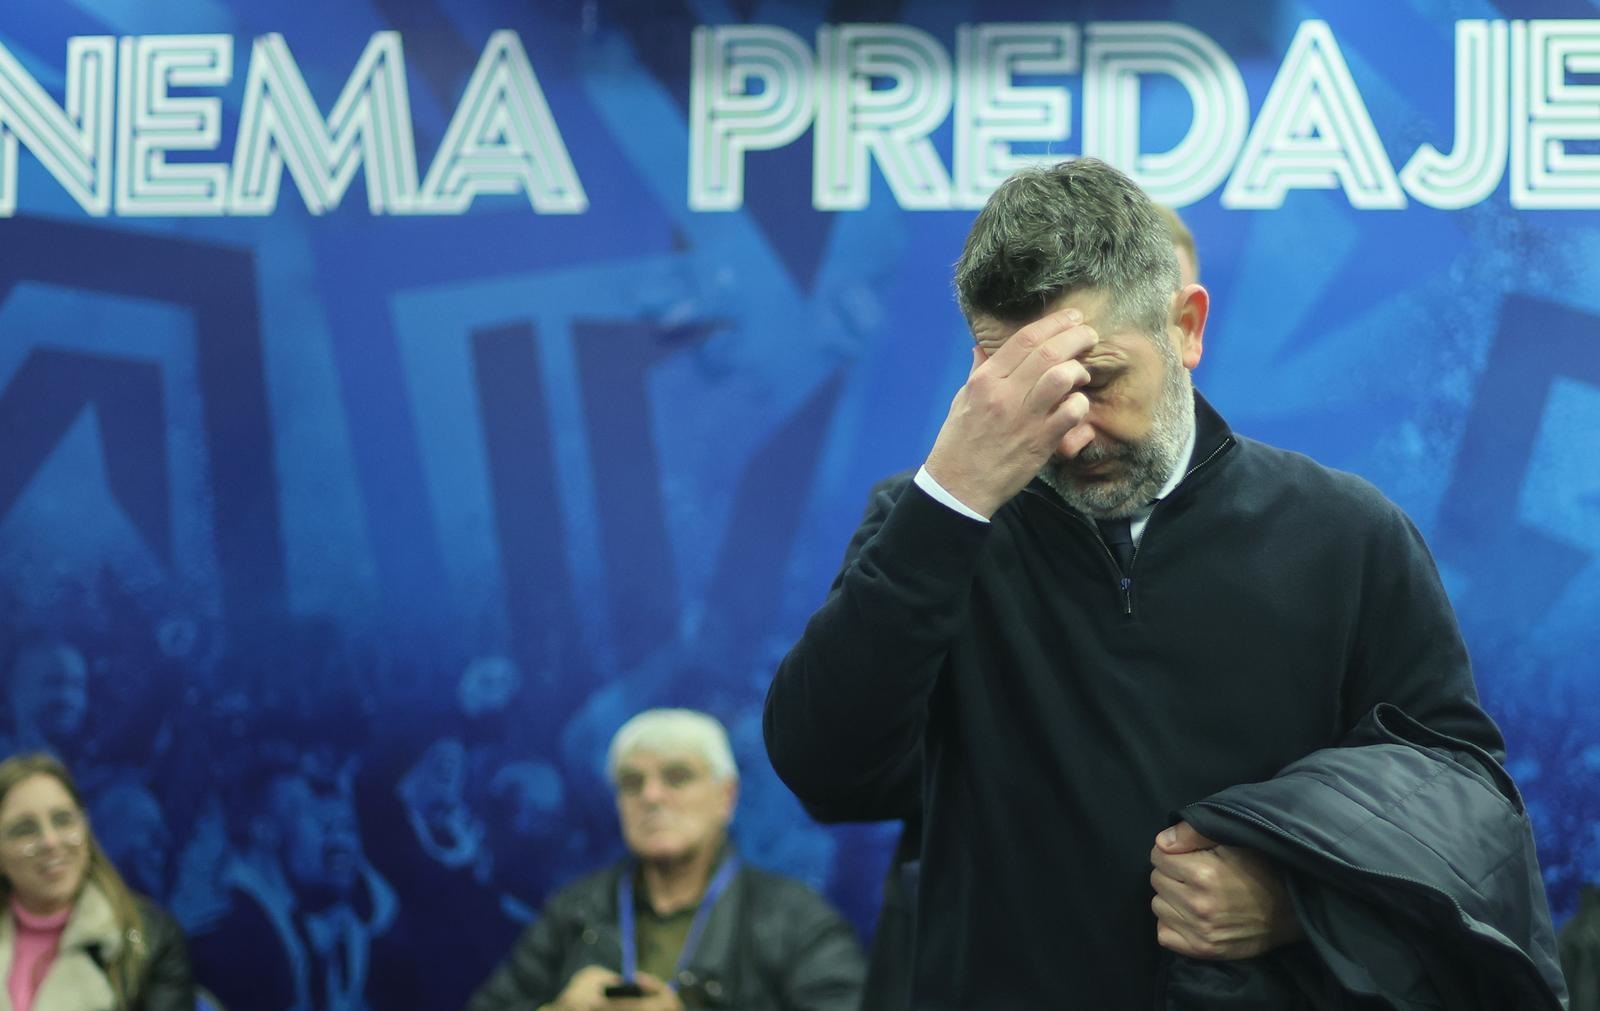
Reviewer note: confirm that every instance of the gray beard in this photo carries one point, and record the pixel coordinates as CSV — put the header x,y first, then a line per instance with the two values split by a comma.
x,y
1146,464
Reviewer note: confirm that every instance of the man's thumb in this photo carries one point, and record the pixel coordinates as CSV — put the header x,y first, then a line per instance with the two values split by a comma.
x,y
1183,838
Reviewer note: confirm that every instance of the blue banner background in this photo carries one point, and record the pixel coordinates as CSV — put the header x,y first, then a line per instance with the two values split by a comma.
x,y
421,508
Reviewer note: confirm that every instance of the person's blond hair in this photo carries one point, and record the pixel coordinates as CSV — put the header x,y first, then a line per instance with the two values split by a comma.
x,y
122,969
1181,236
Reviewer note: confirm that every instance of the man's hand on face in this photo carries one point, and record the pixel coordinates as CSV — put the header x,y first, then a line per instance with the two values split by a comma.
x,y
1020,405
1215,901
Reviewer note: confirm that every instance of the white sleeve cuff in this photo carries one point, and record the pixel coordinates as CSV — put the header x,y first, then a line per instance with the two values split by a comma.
x,y
926,482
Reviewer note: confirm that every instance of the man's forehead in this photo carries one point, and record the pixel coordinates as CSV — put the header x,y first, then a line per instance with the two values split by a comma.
x,y
1094,303
641,760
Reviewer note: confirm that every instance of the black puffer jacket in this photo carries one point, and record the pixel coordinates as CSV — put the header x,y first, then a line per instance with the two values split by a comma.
x,y
770,944
1411,864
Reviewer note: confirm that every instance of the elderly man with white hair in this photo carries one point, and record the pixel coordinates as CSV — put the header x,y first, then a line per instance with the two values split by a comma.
x,y
681,922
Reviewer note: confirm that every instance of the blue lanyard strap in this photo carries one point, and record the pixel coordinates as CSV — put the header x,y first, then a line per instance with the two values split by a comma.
x,y
630,951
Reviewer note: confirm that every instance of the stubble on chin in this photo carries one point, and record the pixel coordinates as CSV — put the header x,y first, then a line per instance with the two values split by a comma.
x,y
1144,465
1103,497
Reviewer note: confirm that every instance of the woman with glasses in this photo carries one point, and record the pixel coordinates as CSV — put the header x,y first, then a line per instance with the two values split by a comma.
x,y
72,936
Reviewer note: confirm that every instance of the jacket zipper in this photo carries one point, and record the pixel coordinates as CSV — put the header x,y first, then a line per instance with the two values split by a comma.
x,y
1125,579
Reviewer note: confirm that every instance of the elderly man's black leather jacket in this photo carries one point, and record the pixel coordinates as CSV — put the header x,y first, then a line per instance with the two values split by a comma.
x,y
770,944
1411,865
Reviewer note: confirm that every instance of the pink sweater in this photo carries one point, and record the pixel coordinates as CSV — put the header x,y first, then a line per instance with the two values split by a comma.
x,y
38,939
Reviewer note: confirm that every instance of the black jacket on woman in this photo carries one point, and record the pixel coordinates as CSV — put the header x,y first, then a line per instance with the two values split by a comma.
x,y
770,944
76,979
166,984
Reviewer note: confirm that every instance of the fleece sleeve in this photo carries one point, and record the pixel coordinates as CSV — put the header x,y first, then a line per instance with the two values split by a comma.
x,y
1409,650
847,708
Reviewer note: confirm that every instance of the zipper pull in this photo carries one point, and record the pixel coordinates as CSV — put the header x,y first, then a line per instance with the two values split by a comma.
x,y
1127,594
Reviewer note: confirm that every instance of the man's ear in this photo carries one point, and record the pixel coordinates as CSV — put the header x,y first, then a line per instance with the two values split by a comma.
x,y
1192,305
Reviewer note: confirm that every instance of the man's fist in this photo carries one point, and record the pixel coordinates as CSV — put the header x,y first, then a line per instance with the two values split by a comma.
x,y
1215,901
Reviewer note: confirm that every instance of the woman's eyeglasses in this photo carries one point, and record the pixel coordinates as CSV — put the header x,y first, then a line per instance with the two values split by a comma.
x,y
26,837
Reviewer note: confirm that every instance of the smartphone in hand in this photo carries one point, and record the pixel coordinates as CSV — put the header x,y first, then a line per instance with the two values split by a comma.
x,y
624,990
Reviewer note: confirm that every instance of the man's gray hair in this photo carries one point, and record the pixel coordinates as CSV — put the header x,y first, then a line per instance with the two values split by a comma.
x,y
1049,230
663,730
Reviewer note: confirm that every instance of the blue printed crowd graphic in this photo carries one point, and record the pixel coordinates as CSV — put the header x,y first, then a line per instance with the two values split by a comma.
x,y
395,396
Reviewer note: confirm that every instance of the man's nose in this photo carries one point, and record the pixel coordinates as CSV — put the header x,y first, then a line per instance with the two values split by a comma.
x,y
653,790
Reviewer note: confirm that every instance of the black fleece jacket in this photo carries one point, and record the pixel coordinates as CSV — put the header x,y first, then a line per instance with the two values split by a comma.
x,y
1048,713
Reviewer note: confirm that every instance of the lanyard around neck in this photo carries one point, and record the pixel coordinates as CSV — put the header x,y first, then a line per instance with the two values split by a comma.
x,y
697,926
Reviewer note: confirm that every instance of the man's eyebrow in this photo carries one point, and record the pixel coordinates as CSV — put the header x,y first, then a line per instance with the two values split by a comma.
x,y
1104,357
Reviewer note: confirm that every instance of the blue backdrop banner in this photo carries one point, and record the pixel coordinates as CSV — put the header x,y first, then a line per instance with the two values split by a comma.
x,y
395,395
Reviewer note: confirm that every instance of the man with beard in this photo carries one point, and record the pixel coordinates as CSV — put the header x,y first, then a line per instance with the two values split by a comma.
x,y
306,903
1092,605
